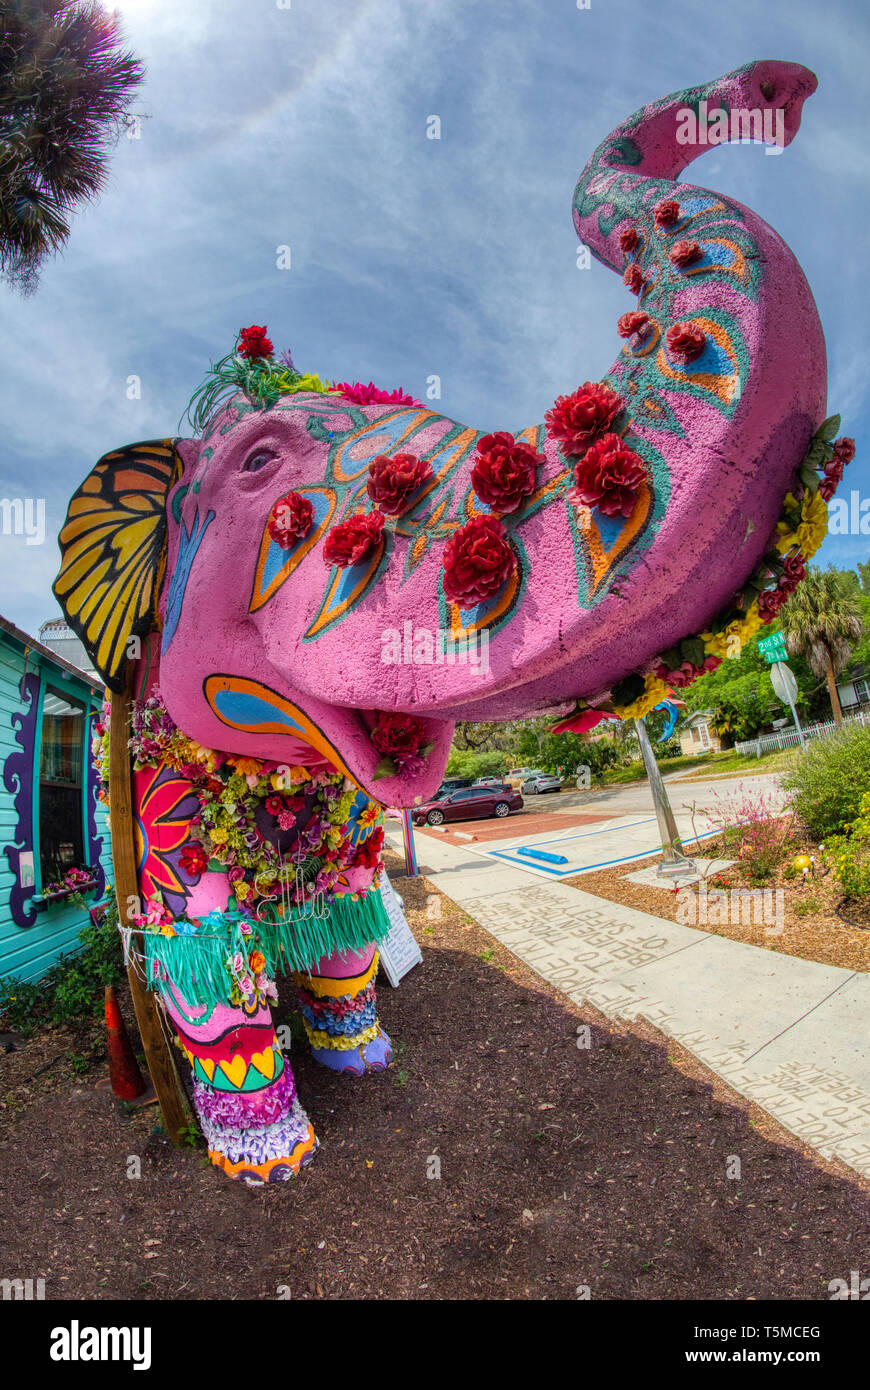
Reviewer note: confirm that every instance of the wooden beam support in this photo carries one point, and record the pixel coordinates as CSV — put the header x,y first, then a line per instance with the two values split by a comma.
x,y
158,1055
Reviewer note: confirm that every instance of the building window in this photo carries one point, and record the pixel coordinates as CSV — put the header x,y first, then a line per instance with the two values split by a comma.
x,y
862,691
61,767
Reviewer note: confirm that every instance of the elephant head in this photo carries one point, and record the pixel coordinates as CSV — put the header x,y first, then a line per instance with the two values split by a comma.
x,y
640,538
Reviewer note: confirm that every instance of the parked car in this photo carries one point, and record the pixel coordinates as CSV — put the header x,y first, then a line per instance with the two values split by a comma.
x,y
451,784
469,803
488,782
542,782
518,775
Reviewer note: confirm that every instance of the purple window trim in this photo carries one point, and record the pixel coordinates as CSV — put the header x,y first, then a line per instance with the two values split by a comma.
x,y
18,781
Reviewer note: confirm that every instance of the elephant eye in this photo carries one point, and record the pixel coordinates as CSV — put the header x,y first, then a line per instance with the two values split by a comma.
x,y
254,462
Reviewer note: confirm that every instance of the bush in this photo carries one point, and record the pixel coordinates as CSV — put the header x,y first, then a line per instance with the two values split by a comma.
x,y
829,780
73,988
465,763
849,855
753,831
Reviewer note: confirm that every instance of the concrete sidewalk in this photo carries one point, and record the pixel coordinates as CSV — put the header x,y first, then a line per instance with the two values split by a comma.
x,y
789,1034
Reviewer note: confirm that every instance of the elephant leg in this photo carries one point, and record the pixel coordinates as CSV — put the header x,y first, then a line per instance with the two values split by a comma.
x,y
339,1009
243,1090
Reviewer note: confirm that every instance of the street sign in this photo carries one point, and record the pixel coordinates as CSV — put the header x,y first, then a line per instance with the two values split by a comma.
x,y
783,681
785,688
773,648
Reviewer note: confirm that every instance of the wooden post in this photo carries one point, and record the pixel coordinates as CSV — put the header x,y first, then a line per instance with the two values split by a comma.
x,y
161,1063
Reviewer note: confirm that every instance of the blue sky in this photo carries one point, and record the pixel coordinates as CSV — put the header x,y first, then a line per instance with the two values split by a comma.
x,y
306,127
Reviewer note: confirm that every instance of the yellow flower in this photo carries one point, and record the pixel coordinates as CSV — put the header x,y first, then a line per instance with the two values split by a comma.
x,y
246,767
810,530
654,691
219,835
730,640
814,523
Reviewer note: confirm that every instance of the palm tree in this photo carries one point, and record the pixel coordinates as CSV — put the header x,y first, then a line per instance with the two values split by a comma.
x,y
65,90
822,622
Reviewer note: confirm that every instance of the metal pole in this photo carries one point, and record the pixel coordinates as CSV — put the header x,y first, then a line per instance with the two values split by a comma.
x,y
674,859
797,724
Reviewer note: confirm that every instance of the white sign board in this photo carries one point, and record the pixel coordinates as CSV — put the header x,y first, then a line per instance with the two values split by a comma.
x,y
399,951
784,684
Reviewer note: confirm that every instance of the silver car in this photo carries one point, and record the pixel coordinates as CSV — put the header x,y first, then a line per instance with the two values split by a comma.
x,y
542,782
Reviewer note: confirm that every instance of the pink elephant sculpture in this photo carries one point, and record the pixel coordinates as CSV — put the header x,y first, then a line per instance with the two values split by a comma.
x,y
338,573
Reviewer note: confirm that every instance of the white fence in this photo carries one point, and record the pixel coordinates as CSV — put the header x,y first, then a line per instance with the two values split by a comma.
x,y
789,738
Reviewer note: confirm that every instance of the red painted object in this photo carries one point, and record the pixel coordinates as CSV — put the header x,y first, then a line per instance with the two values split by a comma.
x,y
469,803
126,1078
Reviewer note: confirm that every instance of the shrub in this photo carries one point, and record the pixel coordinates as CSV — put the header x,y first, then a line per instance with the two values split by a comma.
x,y
754,831
73,987
827,783
849,855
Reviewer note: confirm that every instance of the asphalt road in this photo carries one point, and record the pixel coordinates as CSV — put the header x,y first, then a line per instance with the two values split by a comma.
x,y
635,797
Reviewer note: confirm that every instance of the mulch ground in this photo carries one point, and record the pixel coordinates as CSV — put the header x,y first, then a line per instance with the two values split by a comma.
x,y
813,929
560,1166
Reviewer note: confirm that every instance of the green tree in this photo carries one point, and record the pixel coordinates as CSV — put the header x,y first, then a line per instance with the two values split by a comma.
x,y
65,92
822,621
740,694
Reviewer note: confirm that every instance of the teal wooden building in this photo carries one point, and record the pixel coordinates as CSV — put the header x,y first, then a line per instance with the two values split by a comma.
x,y
51,821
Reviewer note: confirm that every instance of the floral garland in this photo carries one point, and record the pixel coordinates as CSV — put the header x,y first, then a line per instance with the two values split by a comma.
x,y
798,534
231,790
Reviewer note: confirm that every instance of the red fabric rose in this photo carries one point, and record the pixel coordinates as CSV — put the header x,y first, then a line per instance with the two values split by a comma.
x,y
844,450
503,475
477,560
254,342
628,240
667,213
633,278
193,859
398,735
575,420
770,602
831,481
685,341
350,541
794,571
290,519
368,854
635,321
685,253
392,480
608,477
681,677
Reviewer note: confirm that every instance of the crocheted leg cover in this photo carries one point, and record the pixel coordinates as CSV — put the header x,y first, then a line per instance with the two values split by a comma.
x,y
243,1091
339,1009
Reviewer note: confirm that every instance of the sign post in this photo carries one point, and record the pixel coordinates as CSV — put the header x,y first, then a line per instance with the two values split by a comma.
x,y
674,859
785,688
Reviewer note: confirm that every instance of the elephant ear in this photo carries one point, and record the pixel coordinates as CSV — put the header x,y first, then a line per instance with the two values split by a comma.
x,y
113,551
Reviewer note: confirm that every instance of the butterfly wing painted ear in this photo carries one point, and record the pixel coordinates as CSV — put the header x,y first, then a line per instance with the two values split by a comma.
x,y
113,551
